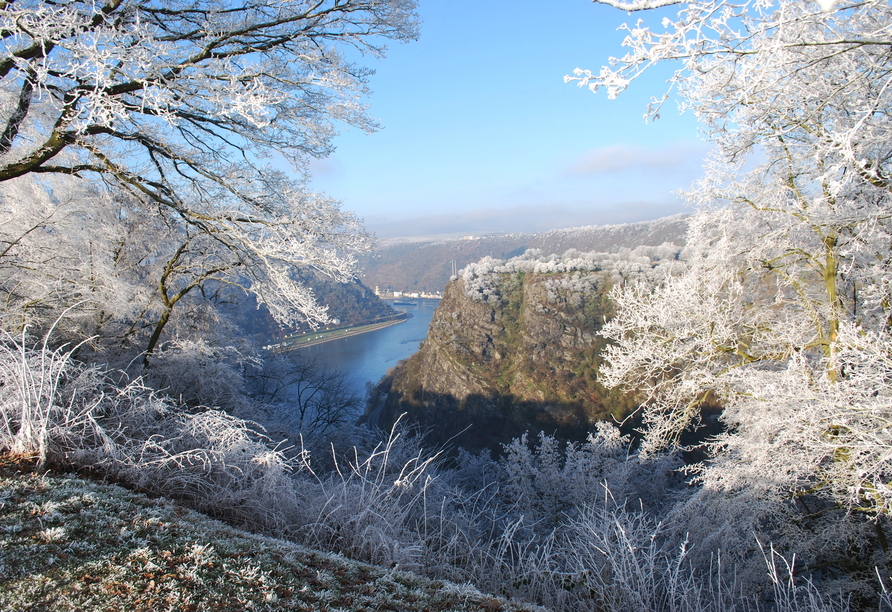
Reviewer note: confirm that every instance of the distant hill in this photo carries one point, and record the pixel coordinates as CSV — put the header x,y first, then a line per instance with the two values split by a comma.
x,y
426,265
350,303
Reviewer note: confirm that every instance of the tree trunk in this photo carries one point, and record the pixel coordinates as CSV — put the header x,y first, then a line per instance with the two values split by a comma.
x,y
156,335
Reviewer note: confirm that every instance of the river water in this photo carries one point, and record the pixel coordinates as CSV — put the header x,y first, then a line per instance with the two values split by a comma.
x,y
367,357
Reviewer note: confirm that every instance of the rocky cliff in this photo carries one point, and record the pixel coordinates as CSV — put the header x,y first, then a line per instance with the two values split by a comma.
x,y
514,346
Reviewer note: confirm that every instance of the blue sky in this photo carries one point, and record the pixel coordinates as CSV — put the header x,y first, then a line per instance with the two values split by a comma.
x,y
481,134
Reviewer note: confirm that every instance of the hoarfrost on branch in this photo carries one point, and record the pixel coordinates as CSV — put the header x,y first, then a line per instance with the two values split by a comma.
x,y
783,313
194,110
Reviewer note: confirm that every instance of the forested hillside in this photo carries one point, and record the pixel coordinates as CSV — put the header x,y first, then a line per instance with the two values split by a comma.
x,y
349,303
426,265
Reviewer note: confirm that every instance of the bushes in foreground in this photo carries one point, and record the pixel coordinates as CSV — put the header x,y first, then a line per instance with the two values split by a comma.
x,y
73,415
575,527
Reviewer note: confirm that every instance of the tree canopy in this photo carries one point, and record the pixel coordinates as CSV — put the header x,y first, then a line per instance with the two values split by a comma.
x,y
201,117
783,313
189,91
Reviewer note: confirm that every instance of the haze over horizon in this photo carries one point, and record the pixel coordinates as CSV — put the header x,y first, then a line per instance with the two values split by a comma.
x,y
519,220
481,134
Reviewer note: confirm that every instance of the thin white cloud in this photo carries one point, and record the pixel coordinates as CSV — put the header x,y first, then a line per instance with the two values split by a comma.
x,y
682,156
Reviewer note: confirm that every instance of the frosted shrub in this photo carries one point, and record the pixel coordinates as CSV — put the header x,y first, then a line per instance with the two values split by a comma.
x,y
33,409
550,484
574,527
217,463
552,481
198,372
621,561
593,526
67,413
372,507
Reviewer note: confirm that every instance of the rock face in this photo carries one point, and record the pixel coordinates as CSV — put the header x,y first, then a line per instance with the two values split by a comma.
x,y
514,347
522,355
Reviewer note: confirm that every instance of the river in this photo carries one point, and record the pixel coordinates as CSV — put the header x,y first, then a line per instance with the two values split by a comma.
x,y
367,357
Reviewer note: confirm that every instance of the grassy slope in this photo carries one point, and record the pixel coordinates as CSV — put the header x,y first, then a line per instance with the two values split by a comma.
x,y
72,544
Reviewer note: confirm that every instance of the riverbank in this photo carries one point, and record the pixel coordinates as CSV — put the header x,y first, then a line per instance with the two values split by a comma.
x,y
298,341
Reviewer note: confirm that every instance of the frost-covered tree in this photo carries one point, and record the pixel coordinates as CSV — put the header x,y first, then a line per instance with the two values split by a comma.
x,y
784,310
194,108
